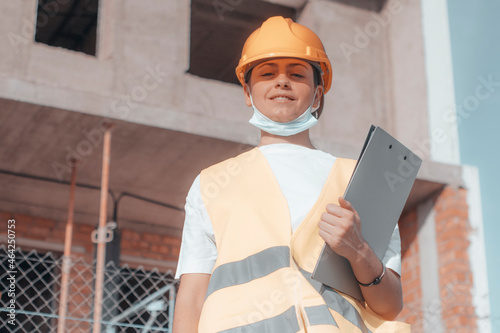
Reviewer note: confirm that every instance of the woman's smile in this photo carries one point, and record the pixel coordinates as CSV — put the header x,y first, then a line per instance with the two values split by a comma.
x,y
282,89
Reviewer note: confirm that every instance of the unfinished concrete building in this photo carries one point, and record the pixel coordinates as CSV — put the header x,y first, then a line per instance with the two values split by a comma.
x,y
162,71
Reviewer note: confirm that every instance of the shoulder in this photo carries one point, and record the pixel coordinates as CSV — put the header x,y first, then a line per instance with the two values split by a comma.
x,y
193,199
233,163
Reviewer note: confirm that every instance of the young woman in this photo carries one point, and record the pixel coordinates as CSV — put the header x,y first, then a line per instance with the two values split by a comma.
x,y
251,242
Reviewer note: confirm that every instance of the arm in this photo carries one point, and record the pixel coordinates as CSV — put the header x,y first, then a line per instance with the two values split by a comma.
x,y
340,227
189,301
386,298
196,259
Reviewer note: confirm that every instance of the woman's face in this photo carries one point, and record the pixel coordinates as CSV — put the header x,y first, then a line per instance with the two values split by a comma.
x,y
283,88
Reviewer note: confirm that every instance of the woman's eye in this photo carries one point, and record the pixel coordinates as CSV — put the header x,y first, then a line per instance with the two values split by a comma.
x,y
267,74
299,75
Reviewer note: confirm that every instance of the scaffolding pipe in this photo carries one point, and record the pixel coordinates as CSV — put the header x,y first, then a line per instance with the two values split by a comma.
x,y
101,231
66,264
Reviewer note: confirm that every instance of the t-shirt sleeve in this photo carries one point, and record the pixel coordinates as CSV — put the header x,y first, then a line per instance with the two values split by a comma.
x,y
198,251
392,256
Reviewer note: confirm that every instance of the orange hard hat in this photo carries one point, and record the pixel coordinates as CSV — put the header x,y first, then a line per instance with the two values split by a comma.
x,y
281,37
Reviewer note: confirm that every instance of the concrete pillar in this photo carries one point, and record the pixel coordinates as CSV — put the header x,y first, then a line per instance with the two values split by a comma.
x,y
440,88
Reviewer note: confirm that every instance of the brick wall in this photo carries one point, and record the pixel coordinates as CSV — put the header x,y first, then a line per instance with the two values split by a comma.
x,y
47,235
410,271
158,246
452,230
455,276
149,245
80,291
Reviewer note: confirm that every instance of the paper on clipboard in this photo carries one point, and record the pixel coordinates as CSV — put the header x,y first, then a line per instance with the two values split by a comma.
x,y
378,190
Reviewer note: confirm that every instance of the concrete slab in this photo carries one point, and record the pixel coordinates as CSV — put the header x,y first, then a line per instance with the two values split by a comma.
x,y
159,165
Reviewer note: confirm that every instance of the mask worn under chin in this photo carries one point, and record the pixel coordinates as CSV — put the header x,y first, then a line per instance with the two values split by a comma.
x,y
303,122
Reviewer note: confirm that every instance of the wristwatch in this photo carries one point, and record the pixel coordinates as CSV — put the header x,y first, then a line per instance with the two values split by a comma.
x,y
374,282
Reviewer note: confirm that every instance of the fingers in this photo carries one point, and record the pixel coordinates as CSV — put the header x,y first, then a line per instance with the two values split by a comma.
x,y
338,210
333,224
345,204
340,228
334,210
328,226
331,234
342,217
330,239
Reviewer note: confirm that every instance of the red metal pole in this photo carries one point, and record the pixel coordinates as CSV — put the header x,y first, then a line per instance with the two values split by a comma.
x,y
66,264
101,232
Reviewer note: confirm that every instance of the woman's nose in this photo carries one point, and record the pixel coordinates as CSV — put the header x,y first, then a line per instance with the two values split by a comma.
x,y
282,81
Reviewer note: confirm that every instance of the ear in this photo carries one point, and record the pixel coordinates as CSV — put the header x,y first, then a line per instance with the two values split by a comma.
x,y
246,91
319,94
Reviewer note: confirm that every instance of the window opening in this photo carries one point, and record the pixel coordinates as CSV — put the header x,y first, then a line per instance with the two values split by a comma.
x,y
218,31
70,24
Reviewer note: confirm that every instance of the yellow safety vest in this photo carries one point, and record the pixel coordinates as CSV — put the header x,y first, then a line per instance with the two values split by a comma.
x,y
261,281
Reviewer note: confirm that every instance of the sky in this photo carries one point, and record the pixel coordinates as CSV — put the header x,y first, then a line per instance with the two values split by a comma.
x,y
475,44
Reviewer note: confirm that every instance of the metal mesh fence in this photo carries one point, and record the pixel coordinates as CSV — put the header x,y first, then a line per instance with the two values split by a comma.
x,y
134,300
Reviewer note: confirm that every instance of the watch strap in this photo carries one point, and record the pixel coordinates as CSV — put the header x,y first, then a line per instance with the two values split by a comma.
x,y
374,282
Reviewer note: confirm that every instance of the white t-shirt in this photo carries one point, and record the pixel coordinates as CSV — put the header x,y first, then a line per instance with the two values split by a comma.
x,y
301,174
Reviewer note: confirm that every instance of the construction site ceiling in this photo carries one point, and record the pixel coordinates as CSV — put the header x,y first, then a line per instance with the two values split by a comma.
x,y
153,167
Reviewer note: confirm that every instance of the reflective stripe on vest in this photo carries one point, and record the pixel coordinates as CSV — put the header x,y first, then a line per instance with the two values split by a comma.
x,y
337,303
320,315
250,268
261,279
285,322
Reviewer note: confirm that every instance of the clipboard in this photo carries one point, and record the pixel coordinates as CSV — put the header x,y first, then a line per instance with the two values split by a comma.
x,y
378,189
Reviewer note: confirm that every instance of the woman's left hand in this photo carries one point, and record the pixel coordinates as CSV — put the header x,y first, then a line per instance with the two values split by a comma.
x,y
340,227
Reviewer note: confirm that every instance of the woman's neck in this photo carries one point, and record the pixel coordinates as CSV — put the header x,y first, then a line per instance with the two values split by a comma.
x,y
301,139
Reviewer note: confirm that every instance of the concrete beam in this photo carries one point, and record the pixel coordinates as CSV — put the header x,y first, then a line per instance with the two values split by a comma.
x,y
297,4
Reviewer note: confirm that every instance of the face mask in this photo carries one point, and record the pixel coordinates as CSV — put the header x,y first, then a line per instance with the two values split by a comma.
x,y
303,122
